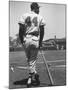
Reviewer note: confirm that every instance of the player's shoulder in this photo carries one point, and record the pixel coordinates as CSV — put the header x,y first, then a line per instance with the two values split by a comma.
x,y
40,17
31,14
26,14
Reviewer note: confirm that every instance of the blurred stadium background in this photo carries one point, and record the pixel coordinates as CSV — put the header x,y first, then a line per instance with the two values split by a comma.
x,y
50,44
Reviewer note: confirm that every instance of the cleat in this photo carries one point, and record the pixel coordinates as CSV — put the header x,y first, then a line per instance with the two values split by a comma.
x,y
36,81
33,80
29,82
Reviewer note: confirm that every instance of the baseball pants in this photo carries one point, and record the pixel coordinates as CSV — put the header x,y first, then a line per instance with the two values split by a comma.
x,y
31,51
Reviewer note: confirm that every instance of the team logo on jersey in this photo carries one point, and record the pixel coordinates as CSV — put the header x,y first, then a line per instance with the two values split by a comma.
x,y
34,21
28,21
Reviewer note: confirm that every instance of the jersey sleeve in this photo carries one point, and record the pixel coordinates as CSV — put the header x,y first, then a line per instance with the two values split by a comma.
x,y
22,20
42,21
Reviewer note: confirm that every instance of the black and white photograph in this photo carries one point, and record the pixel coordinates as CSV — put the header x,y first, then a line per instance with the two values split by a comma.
x,y
37,44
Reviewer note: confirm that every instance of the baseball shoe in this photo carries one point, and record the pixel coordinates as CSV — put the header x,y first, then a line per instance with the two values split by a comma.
x,y
36,81
33,80
29,81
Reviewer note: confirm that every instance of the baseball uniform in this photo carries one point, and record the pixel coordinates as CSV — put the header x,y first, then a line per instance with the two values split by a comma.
x,y
32,23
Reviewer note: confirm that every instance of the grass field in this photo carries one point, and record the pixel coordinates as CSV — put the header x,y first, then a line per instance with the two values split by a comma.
x,y
56,61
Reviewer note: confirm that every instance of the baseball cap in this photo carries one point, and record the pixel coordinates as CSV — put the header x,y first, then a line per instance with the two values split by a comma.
x,y
34,5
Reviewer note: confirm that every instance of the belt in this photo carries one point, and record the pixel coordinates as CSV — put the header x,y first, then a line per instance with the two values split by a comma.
x,y
34,34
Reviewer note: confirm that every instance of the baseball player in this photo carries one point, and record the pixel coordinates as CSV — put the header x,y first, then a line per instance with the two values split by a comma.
x,y
31,33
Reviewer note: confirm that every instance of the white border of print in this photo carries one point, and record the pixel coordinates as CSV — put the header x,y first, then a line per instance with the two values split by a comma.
x,y
4,43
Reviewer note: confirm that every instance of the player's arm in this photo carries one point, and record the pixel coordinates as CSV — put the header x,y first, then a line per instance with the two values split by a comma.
x,y
41,35
21,32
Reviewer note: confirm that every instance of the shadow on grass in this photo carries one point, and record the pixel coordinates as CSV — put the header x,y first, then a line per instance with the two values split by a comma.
x,y
24,82
21,82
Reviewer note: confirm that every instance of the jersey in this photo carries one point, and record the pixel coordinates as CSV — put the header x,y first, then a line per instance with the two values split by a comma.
x,y
32,22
